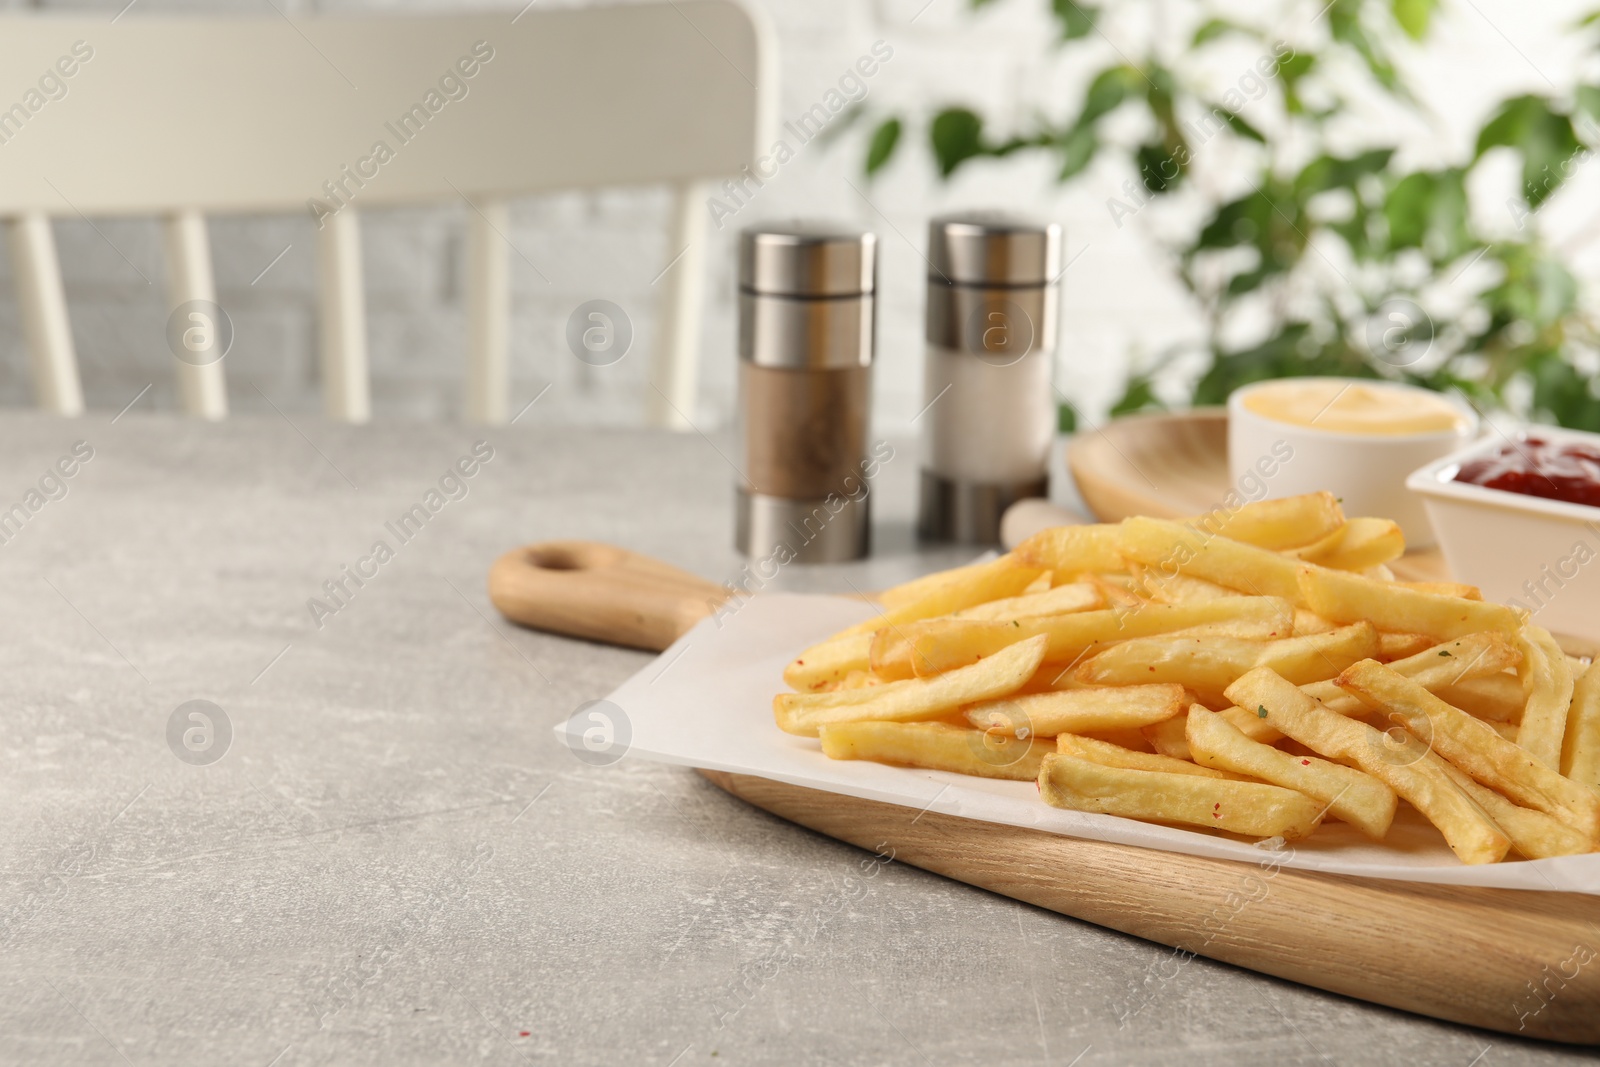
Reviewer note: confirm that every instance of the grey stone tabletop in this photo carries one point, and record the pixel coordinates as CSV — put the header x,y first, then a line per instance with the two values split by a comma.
x,y
369,847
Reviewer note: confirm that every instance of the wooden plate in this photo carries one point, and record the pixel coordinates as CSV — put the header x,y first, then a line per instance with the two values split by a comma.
x,y
1167,465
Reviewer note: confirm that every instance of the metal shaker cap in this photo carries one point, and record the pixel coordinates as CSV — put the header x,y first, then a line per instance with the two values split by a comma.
x,y
807,259
990,248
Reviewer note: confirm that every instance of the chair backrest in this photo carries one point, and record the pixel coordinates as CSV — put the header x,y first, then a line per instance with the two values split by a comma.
x,y
183,116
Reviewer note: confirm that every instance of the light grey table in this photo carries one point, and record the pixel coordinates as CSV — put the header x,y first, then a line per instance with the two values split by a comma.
x,y
395,862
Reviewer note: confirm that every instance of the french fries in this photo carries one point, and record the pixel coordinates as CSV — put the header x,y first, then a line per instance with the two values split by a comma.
x,y
1089,661
913,699
830,661
1285,523
1238,807
1080,711
1474,746
1580,754
1407,767
1073,550
1357,545
937,746
938,645
1547,678
1170,547
1350,598
1448,664
1353,796
1208,665
1114,755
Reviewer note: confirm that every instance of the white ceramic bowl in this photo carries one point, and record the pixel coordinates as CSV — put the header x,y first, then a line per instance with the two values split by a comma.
x,y
1366,471
1533,553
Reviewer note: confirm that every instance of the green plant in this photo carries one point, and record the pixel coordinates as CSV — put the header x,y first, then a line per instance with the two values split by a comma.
x,y
1312,246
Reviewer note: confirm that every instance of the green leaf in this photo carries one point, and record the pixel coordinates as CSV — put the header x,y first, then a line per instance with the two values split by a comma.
x,y
1543,138
1240,126
1335,172
881,148
956,136
1413,16
1344,23
1137,395
1158,169
1291,69
1077,20
1109,89
1077,150
1066,419
1428,210
1588,100
1213,28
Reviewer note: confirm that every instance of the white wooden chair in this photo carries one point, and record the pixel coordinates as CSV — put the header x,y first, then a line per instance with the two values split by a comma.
x,y
188,116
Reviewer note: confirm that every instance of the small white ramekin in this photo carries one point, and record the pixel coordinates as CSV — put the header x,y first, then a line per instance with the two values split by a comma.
x,y
1533,553
1366,471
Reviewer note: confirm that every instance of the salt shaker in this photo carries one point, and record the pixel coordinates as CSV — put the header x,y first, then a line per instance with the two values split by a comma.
x,y
990,417
807,322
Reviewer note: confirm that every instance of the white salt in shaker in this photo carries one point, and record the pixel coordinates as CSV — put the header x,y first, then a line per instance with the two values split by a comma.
x,y
991,337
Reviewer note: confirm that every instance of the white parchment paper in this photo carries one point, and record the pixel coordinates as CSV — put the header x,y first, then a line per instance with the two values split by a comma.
x,y
707,702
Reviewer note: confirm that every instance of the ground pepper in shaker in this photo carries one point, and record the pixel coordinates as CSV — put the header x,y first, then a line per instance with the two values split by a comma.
x,y
990,418
807,322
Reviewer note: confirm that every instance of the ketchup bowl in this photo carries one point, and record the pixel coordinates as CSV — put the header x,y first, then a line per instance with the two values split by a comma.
x,y
1510,517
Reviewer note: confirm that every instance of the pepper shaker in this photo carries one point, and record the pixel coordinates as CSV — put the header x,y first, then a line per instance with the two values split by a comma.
x,y
990,418
807,319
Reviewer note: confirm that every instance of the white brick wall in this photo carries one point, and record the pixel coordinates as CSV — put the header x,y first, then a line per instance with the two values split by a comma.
x,y
1118,302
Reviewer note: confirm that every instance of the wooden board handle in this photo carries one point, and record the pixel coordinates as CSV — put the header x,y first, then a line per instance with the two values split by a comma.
x,y
600,592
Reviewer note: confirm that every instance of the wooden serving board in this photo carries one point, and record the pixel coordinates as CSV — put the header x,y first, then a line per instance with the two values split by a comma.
x,y
1169,465
1494,958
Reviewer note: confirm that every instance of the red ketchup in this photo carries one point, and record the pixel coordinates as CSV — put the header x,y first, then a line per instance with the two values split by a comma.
x,y
1536,467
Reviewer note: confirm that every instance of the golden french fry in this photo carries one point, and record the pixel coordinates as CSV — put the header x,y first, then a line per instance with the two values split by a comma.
x,y
1547,678
1115,595
919,588
1040,584
1534,834
1178,588
1209,665
937,746
1113,755
1580,751
963,588
1345,597
1357,545
1080,711
1504,729
831,661
1288,522
1474,746
889,654
1405,768
1173,548
1309,622
941,644
1399,646
914,698
1250,808
1073,550
1062,600
1455,589
1354,796
1495,697
1446,664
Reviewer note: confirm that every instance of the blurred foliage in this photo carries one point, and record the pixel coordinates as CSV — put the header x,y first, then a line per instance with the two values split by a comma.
x,y
1310,241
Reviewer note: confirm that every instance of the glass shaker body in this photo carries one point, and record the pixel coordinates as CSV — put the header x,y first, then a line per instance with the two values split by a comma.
x,y
806,328
990,416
